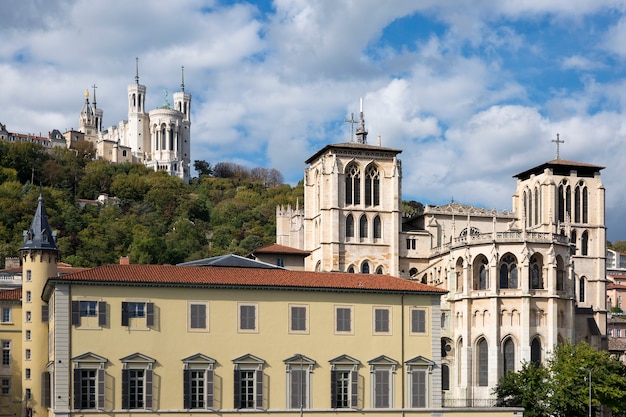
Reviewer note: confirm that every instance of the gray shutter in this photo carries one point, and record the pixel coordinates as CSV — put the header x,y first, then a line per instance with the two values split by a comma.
x,y
77,383
44,313
101,391
45,389
237,388
125,376
354,389
209,388
259,390
148,381
150,315
187,389
76,313
333,389
124,314
102,313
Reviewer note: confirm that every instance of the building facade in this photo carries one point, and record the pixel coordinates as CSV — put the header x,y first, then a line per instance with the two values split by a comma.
x,y
159,138
518,281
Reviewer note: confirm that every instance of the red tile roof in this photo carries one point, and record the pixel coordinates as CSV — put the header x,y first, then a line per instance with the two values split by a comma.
x,y
11,295
168,275
276,248
616,287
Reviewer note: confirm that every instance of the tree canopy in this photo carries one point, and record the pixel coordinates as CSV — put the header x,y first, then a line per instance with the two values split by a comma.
x,y
561,387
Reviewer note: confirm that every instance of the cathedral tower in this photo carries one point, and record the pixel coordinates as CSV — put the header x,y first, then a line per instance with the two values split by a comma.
x,y
182,103
39,255
138,122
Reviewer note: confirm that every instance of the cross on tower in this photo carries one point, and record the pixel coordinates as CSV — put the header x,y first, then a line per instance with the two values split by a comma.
x,y
558,142
352,122
94,86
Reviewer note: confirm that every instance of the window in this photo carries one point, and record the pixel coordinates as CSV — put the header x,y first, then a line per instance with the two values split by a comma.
x,y
280,262
363,227
584,243
27,373
536,279
89,313
137,314
382,370
28,394
137,376
29,317
418,371
29,297
378,228
344,382
248,318
27,354
29,275
349,226
298,318
5,386
581,290
509,356
343,319
382,318
248,380
27,334
6,353
535,352
445,377
89,385
353,185
372,186
198,316
198,382
418,321
483,363
299,369
6,314
508,272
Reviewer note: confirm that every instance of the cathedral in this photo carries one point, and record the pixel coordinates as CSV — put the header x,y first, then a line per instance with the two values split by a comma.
x,y
518,281
159,138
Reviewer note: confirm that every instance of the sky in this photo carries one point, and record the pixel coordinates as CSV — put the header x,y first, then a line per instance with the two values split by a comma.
x,y
472,92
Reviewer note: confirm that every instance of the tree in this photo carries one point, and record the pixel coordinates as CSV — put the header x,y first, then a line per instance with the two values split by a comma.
x,y
618,246
562,387
203,168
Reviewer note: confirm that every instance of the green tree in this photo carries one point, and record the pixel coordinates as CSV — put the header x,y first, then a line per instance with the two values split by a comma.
x,y
526,388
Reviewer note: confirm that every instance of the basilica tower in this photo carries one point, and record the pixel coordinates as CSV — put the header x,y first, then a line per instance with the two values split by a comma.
x,y
182,103
138,121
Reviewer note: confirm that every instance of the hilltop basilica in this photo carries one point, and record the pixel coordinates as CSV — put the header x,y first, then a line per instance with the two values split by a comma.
x,y
518,282
160,138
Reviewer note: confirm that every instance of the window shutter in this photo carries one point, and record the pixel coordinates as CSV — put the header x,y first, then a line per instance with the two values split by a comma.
x,y
124,314
45,389
148,381
100,374
333,389
77,383
259,390
150,314
187,389
354,389
76,313
44,313
102,313
209,388
237,387
125,376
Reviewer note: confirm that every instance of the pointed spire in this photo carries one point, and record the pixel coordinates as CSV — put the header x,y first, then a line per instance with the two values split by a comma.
x,y
136,70
40,235
182,84
94,95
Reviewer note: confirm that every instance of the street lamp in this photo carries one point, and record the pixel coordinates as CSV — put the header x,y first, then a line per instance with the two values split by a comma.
x,y
589,378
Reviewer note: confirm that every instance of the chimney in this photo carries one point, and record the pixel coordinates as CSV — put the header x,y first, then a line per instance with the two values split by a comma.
x,y
124,260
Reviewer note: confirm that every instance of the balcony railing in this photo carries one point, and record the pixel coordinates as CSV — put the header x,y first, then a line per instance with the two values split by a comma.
x,y
500,237
469,402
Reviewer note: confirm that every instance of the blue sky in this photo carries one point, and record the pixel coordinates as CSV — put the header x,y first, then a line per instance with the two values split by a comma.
x,y
471,92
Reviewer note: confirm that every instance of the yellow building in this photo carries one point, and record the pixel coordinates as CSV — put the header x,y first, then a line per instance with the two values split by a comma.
x,y
196,339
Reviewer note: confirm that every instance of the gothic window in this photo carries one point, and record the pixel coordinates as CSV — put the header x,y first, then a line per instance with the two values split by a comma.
x,y
585,205
363,227
561,204
472,232
535,352
581,290
529,214
365,268
353,185
378,232
445,377
481,274
349,226
379,270
508,272
163,130
372,186
482,370
536,280
577,205
509,356
573,239
459,275
537,206
351,269
560,274
584,243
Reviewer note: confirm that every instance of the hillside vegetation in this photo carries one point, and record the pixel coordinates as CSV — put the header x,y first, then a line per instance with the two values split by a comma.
x,y
158,219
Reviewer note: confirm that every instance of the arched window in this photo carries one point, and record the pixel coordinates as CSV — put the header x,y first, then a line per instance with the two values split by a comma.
x,y
584,244
483,363
480,279
458,270
351,269
537,207
445,377
536,279
508,272
378,228
577,205
529,215
349,226
379,270
535,352
412,271
526,213
365,267
372,186
561,204
353,185
363,227
581,289
568,202
585,205
560,274
508,356
572,240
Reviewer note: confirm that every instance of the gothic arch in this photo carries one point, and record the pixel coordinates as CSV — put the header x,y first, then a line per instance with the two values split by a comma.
x,y
352,184
458,272
363,227
378,228
365,267
560,273
584,243
482,362
535,272
536,351
508,272
349,226
372,185
508,355
480,273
